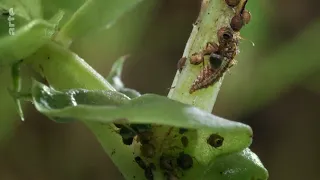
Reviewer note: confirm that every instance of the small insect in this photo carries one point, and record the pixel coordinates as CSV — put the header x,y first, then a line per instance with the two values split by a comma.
x,y
215,60
196,58
246,15
215,140
211,47
237,22
232,3
184,161
166,162
182,130
184,141
140,162
220,62
148,150
148,173
127,141
181,63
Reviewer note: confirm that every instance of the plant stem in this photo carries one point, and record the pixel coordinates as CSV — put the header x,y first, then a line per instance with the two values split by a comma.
x,y
213,15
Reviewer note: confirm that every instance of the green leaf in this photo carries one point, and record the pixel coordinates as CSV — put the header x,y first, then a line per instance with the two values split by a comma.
x,y
28,9
107,106
114,78
92,15
25,41
244,165
48,98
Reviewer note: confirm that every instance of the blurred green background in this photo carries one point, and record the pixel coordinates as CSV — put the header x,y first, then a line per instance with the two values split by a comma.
x,y
275,88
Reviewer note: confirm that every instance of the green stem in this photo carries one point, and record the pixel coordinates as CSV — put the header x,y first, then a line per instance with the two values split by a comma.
x,y
214,15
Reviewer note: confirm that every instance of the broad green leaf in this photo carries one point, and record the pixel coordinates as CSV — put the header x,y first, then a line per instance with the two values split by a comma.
x,y
107,106
114,78
244,165
92,15
25,41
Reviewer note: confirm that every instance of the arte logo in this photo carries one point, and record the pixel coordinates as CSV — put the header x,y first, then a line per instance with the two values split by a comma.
x,y
11,22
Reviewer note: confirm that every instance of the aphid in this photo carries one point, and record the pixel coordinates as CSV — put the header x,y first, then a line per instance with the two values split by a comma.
x,y
182,130
211,47
148,173
215,140
166,162
127,141
148,150
196,58
246,15
184,141
140,162
237,22
181,63
232,3
184,161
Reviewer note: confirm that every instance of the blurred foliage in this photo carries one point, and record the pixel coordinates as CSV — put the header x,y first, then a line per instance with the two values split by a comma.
x,y
155,35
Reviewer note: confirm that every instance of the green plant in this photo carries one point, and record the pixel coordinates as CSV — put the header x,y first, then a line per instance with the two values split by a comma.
x,y
78,92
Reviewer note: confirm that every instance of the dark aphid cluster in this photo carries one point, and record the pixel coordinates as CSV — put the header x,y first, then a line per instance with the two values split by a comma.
x,y
171,165
128,132
215,140
148,170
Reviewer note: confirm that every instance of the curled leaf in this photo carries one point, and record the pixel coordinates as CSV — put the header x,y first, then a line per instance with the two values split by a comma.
x,y
107,106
